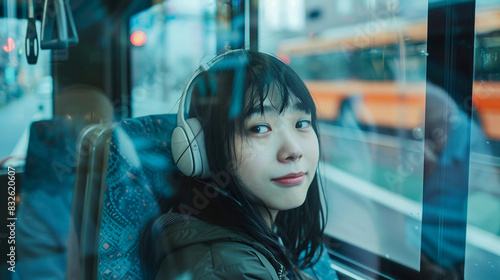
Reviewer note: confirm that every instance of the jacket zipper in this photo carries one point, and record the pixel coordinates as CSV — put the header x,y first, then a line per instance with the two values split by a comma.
x,y
280,273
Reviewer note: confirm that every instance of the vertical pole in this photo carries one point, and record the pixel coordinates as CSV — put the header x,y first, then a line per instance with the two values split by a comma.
x,y
230,21
450,67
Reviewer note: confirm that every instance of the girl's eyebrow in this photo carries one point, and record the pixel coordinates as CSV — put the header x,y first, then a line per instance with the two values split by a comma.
x,y
260,110
298,106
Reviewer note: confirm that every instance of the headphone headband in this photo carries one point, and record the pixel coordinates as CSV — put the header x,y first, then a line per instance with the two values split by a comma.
x,y
180,113
203,68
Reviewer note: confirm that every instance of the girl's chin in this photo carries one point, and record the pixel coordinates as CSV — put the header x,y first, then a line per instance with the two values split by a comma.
x,y
290,206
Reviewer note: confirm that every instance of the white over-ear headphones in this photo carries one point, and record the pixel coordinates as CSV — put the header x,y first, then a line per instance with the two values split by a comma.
x,y
188,144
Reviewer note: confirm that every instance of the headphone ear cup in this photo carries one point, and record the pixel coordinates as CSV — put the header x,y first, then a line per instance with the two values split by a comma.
x,y
202,170
188,149
181,151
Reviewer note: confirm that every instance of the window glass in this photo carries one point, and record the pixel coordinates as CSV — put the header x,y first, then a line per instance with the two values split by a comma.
x,y
25,90
365,64
483,228
330,66
163,63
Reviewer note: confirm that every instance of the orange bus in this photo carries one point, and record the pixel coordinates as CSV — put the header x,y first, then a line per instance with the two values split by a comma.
x,y
385,65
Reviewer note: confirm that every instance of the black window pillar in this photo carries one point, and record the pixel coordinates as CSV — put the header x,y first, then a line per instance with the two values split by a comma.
x,y
447,122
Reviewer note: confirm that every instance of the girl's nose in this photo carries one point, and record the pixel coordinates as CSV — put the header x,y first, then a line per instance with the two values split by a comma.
x,y
290,149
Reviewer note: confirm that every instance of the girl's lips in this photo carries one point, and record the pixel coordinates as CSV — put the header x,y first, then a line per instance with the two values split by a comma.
x,y
290,179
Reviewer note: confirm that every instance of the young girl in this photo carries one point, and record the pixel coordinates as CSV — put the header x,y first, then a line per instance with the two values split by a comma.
x,y
249,207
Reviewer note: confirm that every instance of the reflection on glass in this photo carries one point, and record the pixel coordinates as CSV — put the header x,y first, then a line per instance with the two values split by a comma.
x,y
366,68
482,259
161,66
25,90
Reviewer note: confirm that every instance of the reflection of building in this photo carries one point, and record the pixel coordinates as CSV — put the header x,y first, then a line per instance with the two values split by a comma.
x,y
285,18
321,15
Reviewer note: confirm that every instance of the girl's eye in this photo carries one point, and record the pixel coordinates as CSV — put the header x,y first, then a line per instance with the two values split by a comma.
x,y
303,124
259,129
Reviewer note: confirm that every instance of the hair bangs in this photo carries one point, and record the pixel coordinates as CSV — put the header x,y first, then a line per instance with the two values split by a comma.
x,y
260,81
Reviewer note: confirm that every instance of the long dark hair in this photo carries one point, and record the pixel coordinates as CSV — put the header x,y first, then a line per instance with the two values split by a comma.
x,y
221,98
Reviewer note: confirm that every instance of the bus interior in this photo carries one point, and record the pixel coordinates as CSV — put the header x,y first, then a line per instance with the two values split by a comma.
x,y
408,99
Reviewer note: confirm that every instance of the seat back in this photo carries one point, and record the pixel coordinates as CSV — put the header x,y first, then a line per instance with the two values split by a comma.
x,y
83,151
91,168
43,214
94,194
83,148
140,163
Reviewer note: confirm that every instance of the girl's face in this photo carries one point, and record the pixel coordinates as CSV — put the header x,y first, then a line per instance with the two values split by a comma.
x,y
277,153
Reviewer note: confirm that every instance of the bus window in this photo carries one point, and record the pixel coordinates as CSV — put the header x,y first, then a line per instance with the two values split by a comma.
x,y
414,63
488,60
373,65
162,64
330,66
371,108
483,226
25,90
375,125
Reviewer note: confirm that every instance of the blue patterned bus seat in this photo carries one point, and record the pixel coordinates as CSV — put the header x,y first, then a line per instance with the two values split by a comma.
x,y
139,162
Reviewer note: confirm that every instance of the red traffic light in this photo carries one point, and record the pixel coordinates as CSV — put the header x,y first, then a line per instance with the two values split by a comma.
x,y
10,45
138,38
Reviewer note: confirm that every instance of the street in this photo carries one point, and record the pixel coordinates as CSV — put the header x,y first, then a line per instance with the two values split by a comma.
x,y
16,118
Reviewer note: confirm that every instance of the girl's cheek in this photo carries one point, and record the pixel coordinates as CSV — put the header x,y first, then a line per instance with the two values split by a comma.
x,y
260,146
313,147
247,152
256,144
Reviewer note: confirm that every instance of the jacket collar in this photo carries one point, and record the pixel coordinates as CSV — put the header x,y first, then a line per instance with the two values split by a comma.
x,y
174,231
